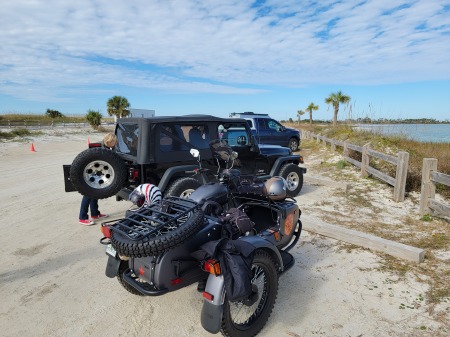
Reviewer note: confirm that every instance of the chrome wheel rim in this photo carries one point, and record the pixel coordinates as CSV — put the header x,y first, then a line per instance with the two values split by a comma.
x,y
98,174
292,181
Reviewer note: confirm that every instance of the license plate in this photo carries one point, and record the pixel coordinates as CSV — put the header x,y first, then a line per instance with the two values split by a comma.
x,y
110,250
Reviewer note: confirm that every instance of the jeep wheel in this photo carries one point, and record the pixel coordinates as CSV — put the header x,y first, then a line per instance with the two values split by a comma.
x,y
293,144
98,173
183,187
294,178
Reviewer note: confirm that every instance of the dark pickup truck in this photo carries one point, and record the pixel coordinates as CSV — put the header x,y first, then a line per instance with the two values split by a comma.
x,y
268,131
156,150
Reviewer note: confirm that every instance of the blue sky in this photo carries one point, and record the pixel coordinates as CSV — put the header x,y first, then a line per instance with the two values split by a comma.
x,y
220,56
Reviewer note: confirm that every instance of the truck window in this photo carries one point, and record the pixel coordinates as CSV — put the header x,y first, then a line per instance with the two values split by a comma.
x,y
261,124
274,125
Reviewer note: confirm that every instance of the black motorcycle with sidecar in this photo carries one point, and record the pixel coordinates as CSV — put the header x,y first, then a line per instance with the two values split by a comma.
x,y
158,249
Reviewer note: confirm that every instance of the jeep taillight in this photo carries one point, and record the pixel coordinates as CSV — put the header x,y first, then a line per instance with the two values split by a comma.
x,y
134,174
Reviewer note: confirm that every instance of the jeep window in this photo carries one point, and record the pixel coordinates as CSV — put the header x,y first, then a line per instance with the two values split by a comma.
x,y
250,123
236,135
127,138
177,137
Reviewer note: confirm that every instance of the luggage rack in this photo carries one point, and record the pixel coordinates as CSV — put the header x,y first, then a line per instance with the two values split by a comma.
x,y
155,220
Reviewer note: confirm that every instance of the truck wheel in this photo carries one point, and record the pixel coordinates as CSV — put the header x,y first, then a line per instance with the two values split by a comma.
x,y
183,187
98,173
294,178
293,144
241,319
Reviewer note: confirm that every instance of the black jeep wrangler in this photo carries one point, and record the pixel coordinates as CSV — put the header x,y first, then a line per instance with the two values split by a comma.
x,y
157,150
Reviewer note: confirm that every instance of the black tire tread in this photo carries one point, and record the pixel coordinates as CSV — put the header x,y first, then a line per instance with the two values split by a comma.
x,y
151,246
123,266
180,185
285,170
228,329
98,153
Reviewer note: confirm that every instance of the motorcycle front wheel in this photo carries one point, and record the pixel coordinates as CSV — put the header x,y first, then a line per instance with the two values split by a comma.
x,y
242,319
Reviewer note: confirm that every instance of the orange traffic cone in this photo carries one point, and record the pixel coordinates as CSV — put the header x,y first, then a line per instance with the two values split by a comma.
x,y
32,148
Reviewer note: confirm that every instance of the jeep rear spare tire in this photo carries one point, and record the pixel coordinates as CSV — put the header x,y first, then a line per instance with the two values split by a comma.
x,y
293,175
98,173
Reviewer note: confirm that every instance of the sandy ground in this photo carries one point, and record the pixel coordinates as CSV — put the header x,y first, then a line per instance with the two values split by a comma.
x,y
52,280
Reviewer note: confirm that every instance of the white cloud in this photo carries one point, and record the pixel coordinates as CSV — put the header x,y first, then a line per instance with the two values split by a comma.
x,y
52,47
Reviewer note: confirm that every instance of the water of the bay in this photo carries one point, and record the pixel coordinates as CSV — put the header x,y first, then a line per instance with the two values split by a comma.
x,y
420,132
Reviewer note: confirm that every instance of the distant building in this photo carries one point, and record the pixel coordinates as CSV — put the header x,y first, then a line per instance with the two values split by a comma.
x,y
142,113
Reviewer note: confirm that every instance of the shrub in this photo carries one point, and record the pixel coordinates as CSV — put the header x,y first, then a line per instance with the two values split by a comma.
x,y
94,118
53,113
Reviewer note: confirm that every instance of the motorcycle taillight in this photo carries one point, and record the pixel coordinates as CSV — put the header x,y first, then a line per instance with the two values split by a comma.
x,y
212,267
106,231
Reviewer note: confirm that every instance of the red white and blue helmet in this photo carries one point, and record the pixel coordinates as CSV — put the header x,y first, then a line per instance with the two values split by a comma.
x,y
147,194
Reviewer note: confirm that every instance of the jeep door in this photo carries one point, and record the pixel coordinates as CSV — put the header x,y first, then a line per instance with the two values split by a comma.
x,y
250,160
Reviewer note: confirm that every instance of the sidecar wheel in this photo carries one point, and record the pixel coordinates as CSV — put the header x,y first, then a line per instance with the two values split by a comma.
x,y
122,267
167,238
241,320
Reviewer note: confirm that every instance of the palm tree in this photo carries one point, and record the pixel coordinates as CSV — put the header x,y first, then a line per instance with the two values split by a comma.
x,y
299,114
118,107
335,99
311,107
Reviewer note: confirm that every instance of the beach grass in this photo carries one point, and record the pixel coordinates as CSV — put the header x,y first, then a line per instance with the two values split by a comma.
x,y
392,144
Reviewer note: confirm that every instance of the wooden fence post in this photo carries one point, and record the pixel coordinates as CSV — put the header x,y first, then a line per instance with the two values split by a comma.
x,y
365,161
318,139
9,124
345,151
400,176
333,145
428,189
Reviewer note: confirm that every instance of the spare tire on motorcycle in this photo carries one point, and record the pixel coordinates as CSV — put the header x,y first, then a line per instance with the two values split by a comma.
x,y
154,230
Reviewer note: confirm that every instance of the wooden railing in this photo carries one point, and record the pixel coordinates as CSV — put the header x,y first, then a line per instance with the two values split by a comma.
x,y
430,176
401,162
